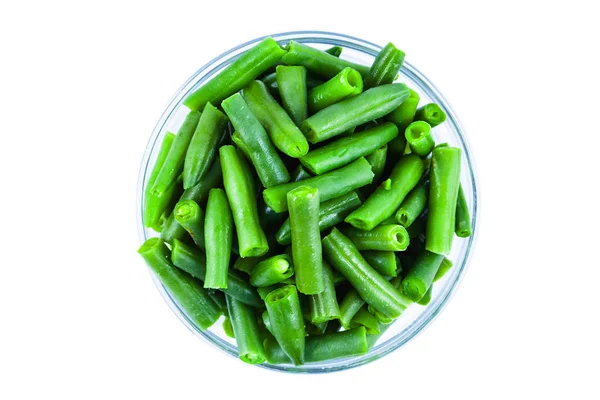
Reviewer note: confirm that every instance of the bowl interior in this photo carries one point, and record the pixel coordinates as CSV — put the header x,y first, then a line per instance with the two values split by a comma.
x,y
416,317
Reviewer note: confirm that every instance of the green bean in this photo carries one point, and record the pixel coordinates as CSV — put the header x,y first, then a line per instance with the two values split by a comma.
x,y
291,83
385,201
351,303
251,238
430,113
299,174
315,329
324,306
246,68
173,163
202,149
246,332
379,316
271,170
426,299
383,262
263,292
462,227
420,276
405,113
287,322
349,148
418,136
334,51
193,261
191,217
348,343
303,203
377,160
346,83
370,285
338,278
271,271
354,111
271,82
153,208
330,185
165,204
282,131
173,230
187,292
385,67
219,298
383,238
218,231
443,193
228,328
364,318
444,267
318,61
413,205
331,213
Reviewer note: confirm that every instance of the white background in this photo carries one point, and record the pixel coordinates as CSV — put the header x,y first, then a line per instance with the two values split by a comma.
x,y
82,84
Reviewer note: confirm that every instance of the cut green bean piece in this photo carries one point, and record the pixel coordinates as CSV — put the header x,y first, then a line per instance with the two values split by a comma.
x,y
153,205
324,306
405,113
282,131
418,136
173,163
218,231
385,67
318,61
413,205
303,204
346,83
420,277
364,318
350,305
227,328
185,290
430,113
252,241
191,217
334,51
173,230
331,213
246,68
444,267
271,170
271,271
382,237
246,332
330,185
299,174
165,204
385,200
443,194
219,298
271,82
377,159
463,218
354,111
291,83
370,285
287,322
265,319
330,346
349,148
426,299
383,262
203,146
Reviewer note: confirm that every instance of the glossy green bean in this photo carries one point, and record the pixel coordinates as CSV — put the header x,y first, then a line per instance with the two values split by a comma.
x,y
291,83
330,185
430,113
383,238
282,131
418,137
385,67
346,83
252,241
271,271
318,61
383,262
420,276
271,170
246,332
271,82
370,285
202,149
426,299
185,290
173,230
349,306
219,298
287,322
364,318
462,226
191,217
444,267
303,204
166,203
173,163
218,231
299,174
331,213
443,194
349,148
152,204
324,306
334,51
247,67
377,160
413,205
404,114
227,327
263,292
385,200
354,111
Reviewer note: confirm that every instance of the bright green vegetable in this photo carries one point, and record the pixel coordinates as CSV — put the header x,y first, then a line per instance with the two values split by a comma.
x,y
271,271
246,332
228,328
346,83
287,322
420,276
291,83
299,174
463,218
334,51
324,306
430,113
191,217
364,318
173,230
426,299
383,237
418,136
386,66
413,205
154,205
405,114
271,82
218,231
383,262
444,267
349,306
377,159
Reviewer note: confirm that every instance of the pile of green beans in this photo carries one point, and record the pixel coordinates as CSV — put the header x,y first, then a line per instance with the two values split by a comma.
x,y
305,251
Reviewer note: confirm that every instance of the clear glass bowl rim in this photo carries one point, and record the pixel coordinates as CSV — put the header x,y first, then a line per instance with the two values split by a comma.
x,y
429,313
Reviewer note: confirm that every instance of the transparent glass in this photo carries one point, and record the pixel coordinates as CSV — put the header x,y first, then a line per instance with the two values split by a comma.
x,y
416,318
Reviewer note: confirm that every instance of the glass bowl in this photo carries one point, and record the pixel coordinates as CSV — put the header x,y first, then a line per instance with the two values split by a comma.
x,y
415,318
